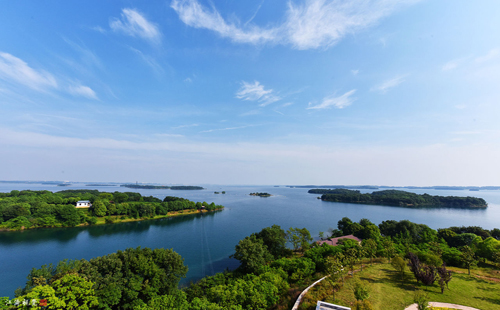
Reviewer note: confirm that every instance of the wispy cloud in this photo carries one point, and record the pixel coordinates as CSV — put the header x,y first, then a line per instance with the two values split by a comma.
x,y
185,126
312,24
15,69
452,64
385,86
355,72
82,90
193,14
227,128
337,102
492,54
256,92
149,60
135,24
188,80
286,104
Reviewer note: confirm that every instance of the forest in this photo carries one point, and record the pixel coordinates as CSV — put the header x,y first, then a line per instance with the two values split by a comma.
x,y
399,198
275,265
33,209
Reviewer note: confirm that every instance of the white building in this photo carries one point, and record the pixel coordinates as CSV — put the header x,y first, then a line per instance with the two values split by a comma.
x,y
83,204
327,306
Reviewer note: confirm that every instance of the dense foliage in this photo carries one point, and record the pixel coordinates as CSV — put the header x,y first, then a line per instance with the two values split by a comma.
x,y
145,279
32,209
398,198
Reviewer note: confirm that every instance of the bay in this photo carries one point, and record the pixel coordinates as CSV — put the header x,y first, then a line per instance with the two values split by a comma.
x,y
206,241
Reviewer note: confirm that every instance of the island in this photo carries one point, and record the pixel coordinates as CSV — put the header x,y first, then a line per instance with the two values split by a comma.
x,y
181,187
399,198
260,194
29,209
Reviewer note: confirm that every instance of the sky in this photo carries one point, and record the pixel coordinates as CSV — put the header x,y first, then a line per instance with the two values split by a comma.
x,y
389,92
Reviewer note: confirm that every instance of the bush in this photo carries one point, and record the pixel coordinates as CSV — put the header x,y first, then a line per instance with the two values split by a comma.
x,y
109,220
92,220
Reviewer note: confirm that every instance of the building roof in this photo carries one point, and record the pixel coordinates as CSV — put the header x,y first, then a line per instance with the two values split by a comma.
x,y
321,305
83,201
334,241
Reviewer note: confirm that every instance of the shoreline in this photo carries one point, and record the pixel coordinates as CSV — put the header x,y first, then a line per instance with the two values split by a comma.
x,y
116,220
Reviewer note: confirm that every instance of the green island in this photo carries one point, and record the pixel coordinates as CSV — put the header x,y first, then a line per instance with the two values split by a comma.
x,y
36,209
399,198
180,187
388,267
260,194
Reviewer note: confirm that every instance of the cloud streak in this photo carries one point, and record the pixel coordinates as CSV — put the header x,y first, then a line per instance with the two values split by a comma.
x,y
82,90
256,92
310,25
15,69
134,24
337,102
385,86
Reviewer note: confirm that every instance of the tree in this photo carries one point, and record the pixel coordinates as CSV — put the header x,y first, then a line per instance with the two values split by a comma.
x,y
299,238
444,277
389,248
399,264
335,270
421,299
468,257
360,290
98,208
252,253
370,247
275,241
75,292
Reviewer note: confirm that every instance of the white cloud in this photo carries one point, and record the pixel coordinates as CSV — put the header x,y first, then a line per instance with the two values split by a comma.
x,y
15,69
337,102
492,54
312,24
188,80
195,15
227,128
385,86
286,104
150,61
82,90
135,24
256,92
355,72
453,64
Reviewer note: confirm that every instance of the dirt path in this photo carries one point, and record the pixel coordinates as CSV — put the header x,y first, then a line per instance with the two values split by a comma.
x,y
443,305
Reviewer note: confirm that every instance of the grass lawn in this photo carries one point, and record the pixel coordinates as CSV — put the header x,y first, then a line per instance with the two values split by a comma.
x,y
387,292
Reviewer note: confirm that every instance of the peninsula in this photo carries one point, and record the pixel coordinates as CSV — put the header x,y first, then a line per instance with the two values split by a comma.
x,y
35,209
399,199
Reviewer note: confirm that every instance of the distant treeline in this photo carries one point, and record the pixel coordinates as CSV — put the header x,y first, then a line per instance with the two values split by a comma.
x,y
32,209
398,198
162,187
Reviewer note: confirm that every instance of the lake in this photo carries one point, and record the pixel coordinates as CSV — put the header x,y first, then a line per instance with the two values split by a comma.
x,y
206,241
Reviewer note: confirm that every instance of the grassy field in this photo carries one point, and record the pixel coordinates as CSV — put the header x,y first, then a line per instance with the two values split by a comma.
x,y
387,292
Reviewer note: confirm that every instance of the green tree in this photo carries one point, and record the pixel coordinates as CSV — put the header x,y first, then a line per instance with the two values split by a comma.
x,y
468,257
389,249
252,253
75,292
300,238
98,208
360,290
399,264
370,246
274,239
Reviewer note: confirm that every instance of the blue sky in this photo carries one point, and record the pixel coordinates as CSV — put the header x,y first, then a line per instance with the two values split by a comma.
x,y
251,92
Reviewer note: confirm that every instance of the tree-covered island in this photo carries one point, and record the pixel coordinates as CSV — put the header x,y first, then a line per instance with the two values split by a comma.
x,y
400,199
35,209
260,194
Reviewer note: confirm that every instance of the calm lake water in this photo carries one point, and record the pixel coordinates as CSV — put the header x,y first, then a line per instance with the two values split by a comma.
x,y
206,241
